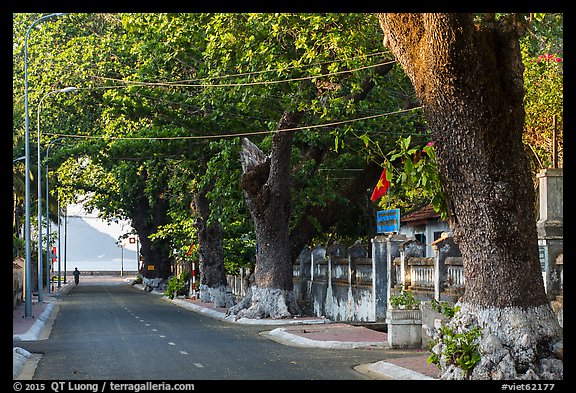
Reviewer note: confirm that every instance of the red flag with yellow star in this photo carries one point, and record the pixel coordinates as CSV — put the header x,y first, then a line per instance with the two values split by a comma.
x,y
381,187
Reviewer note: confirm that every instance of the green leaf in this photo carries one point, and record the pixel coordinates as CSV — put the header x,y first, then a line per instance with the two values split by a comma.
x,y
408,165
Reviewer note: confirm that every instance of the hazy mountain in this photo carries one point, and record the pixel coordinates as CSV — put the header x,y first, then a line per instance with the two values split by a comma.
x,y
85,243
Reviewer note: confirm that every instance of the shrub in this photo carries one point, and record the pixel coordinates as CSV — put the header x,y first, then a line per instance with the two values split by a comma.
x,y
404,300
460,349
444,308
176,285
452,345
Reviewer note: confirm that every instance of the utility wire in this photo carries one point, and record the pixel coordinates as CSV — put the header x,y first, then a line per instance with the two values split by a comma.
x,y
178,84
215,136
244,74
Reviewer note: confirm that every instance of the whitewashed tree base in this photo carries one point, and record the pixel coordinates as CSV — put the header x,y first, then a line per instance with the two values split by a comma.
x,y
516,344
266,303
220,296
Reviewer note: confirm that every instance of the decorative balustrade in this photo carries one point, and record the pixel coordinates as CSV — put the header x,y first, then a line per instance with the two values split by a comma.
x,y
349,285
421,273
354,284
455,273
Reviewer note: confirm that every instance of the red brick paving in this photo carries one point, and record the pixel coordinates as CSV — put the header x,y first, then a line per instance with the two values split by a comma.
x,y
337,332
21,324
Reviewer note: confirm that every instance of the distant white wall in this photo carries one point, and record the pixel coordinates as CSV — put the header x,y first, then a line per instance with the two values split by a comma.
x,y
431,232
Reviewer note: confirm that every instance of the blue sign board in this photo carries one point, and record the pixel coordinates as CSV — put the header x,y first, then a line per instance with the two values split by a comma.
x,y
388,221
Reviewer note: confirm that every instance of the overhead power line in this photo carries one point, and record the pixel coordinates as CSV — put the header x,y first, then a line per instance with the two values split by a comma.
x,y
216,136
270,82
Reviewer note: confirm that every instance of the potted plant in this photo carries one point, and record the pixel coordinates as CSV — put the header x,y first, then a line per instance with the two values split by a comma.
x,y
404,320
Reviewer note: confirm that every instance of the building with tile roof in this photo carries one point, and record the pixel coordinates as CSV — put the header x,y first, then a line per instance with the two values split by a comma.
x,y
424,225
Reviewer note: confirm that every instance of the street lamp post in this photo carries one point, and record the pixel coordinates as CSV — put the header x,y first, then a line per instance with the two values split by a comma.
x,y
120,243
65,253
13,162
59,249
48,253
122,261
27,266
40,267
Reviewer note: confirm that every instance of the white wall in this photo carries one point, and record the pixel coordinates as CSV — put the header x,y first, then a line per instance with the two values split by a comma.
x,y
428,230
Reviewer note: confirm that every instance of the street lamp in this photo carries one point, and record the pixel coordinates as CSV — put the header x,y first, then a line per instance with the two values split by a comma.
x,y
13,162
40,267
27,266
48,212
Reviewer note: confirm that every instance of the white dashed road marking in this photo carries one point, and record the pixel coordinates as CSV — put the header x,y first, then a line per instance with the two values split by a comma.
x,y
199,365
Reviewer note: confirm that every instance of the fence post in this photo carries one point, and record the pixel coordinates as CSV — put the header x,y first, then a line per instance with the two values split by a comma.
x,y
305,258
550,227
393,251
357,250
380,277
384,250
409,248
318,253
444,247
335,250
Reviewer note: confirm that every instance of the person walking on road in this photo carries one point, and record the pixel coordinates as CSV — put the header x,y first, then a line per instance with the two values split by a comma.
x,y
76,276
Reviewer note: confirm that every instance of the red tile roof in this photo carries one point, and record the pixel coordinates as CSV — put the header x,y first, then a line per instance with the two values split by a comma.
x,y
422,214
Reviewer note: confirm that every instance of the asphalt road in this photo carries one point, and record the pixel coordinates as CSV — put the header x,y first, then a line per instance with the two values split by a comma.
x,y
112,331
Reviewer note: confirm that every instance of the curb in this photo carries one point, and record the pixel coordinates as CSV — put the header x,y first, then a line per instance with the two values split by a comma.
x,y
246,321
392,371
19,358
34,332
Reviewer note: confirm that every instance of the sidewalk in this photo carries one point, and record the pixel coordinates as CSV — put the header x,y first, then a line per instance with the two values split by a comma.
x,y
30,329
312,332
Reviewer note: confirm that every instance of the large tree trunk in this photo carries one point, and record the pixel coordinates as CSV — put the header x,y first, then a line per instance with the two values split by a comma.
x,y
155,254
214,287
266,184
469,80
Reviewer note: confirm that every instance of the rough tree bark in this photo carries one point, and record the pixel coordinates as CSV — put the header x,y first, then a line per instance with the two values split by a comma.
x,y
214,287
154,253
266,184
469,79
